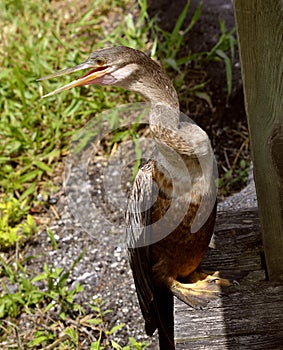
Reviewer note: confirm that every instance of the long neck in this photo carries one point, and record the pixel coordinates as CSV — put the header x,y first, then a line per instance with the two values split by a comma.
x,y
164,120
159,90
181,146
164,113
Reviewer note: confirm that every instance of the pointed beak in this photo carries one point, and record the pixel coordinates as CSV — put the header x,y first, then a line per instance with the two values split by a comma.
x,y
92,77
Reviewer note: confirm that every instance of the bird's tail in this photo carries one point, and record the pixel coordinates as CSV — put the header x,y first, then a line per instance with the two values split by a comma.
x,y
164,304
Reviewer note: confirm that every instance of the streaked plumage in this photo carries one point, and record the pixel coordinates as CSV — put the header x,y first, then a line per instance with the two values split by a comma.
x,y
171,209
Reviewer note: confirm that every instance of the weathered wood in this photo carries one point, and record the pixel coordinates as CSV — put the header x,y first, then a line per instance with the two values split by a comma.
x,y
246,316
260,30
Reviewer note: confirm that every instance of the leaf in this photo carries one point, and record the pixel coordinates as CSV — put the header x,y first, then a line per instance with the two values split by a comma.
x,y
40,277
95,321
115,345
194,19
96,346
4,159
2,309
43,166
180,21
172,63
116,328
28,191
38,340
132,341
204,96
71,332
107,312
228,69
30,221
49,306
52,239
29,176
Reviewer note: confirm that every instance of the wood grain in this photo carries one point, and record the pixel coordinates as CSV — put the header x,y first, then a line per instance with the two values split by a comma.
x,y
245,316
260,28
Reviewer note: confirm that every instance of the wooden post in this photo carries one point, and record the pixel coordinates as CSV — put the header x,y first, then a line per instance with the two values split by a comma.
x,y
260,35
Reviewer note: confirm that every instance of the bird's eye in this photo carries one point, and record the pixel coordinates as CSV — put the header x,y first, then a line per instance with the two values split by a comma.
x,y
100,61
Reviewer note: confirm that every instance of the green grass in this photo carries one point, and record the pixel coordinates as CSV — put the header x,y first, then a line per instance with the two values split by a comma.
x,y
64,322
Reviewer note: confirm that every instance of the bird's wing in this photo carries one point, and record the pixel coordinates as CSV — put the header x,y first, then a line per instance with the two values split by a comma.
x,y
138,220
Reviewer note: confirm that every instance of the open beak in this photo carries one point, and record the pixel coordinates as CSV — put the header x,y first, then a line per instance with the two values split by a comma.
x,y
94,76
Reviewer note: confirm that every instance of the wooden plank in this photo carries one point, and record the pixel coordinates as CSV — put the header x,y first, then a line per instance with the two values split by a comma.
x,y
246,316
260,28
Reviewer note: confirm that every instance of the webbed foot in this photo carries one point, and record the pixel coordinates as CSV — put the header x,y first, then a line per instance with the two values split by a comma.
x,y
201,289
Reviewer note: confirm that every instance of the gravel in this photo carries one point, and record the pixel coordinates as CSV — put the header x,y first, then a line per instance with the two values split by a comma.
x,y
88,221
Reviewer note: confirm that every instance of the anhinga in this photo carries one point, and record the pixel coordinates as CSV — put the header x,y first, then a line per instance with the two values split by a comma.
x,y
170,194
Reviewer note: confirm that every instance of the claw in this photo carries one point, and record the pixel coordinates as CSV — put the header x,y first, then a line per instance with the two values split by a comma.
x,y
204,288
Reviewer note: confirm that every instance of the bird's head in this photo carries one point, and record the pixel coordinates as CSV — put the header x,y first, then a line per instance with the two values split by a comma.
x,y
119,66
124,67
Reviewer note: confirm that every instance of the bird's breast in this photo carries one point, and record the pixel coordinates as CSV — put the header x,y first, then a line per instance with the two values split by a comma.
x,y
180,252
